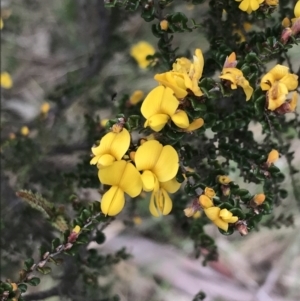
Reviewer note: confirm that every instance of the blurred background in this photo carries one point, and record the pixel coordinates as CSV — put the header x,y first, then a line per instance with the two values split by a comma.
x,y
71,59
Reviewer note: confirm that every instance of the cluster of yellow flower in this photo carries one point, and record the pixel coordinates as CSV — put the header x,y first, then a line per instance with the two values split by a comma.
x,y
220,217
150,167
278,82
163,102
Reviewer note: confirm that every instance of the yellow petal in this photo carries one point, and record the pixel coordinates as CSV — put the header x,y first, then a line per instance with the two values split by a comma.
x,y
294,100
173,81
147,155
120,144
297,9
221,224
1,23
152,206
188,212
279,71
171,186
196,124
105,160
181,119
167,203
212,213
198,63
157,122
164,24
232,220
131,181
231,78
277,96
112,201
225,214
244,6
160,100
225,180
111,175
290,81
167,165
205,201
148,179
267,81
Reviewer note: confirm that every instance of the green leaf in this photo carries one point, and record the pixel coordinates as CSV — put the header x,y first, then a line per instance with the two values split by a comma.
x,y
34,281
55,243
28,264
22,287
44,270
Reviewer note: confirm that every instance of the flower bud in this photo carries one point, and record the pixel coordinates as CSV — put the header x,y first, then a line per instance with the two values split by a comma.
x,y
258,199
241,226
164,24
272,157
225,180
24,131
209,192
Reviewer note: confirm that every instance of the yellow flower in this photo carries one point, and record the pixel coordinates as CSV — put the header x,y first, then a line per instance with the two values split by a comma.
x,y
225,180
220,217
24,131
249,5
293,102
1,23
160,201
272,157
6,81
184,76
112,147
136,97
278,82
140,51
205,201
209,192
159,106
159,164
137,220
14,286
258,199
164,24
45,107
197,215
123,178
236,78
189,211
279,74
247,26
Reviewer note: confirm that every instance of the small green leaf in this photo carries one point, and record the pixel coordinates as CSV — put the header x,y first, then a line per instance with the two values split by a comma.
x,y
34,281
28,263
22,287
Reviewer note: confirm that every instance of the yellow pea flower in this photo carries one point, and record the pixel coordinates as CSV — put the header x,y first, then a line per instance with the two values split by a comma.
x,y
185,76
159,163
123,178
236,78
136,97
45,107
112,147
140,51
5,80
220,217
1,23
159,106
249,5
278,82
